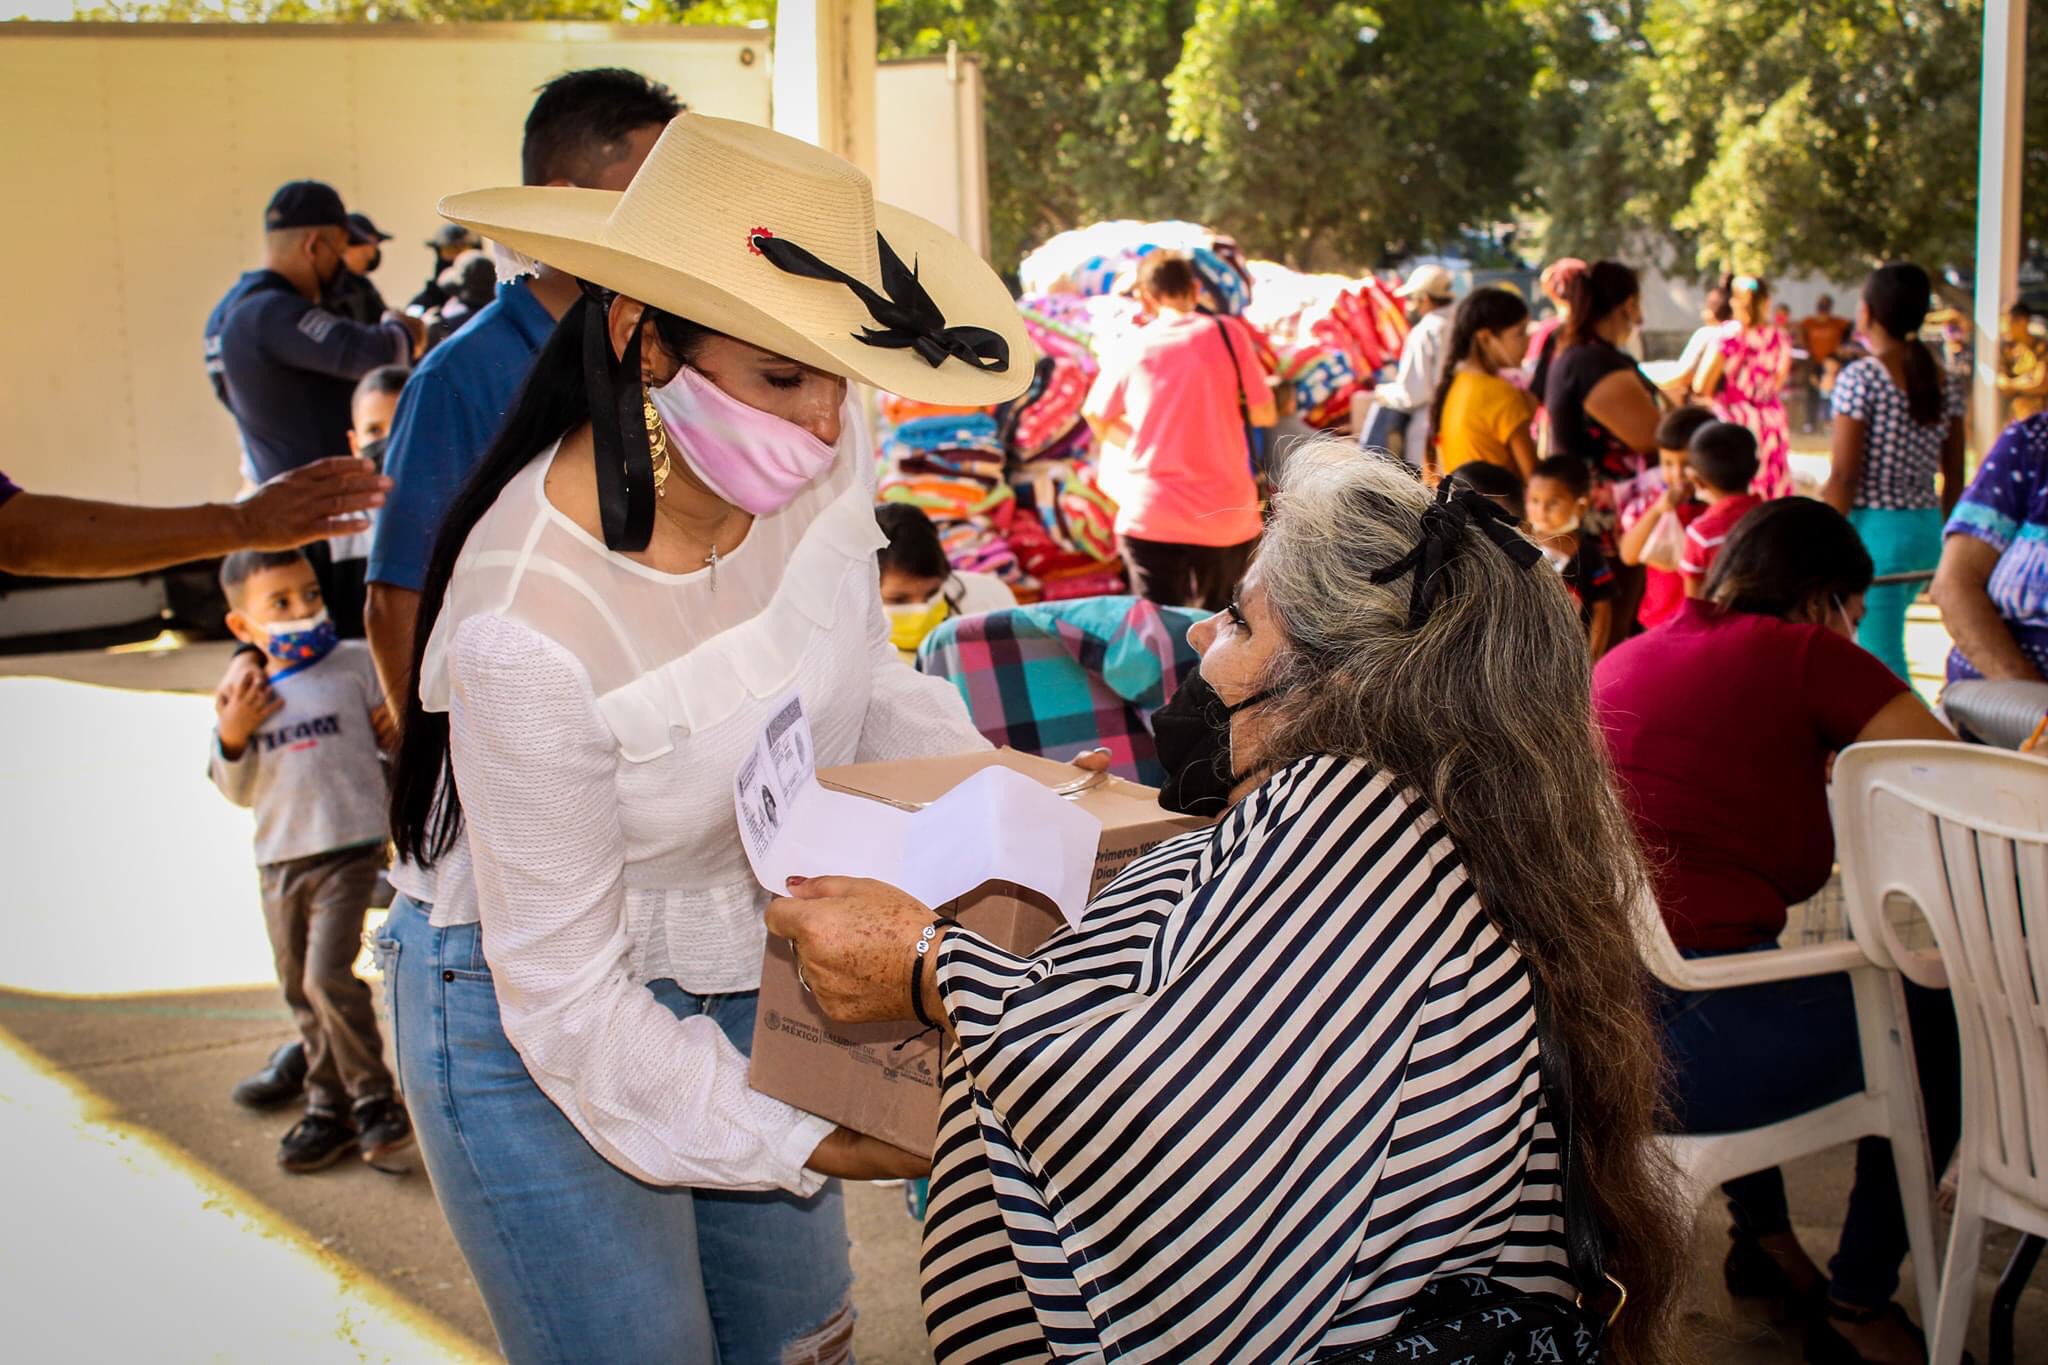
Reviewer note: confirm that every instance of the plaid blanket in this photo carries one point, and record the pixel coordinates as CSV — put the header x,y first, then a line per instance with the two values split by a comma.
x,y
1060,677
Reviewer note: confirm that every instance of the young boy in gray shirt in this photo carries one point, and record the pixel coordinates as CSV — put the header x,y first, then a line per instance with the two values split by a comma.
x,y
302,744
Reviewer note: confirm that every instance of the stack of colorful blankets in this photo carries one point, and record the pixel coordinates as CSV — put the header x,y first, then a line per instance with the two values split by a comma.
x,y
1013,489
1333,334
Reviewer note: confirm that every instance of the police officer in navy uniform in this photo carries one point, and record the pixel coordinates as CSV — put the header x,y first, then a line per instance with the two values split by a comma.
x,y
286,366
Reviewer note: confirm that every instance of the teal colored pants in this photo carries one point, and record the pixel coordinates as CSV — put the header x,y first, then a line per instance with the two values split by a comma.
x,y
1900,540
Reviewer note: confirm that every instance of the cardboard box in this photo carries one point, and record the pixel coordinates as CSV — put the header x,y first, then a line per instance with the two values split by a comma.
x,y
882,1079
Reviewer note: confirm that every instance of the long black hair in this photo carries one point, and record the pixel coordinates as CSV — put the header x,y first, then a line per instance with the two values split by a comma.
x,y
1483,310
1898,297
426,810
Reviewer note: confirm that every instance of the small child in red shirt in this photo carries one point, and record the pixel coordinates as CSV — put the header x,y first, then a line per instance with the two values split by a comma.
x,y
1653,522
1722,458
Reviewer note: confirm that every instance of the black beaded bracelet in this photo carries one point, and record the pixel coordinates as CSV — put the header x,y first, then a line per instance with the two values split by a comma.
x,y
917,957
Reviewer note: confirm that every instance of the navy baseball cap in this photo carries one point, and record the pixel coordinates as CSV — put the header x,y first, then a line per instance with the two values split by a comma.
x,y
304,204
451,235
362,232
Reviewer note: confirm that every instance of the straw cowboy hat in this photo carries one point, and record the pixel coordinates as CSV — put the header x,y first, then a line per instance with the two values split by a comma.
x,y
775,242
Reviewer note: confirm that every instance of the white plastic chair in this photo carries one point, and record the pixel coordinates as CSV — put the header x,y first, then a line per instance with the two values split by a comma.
x,y
1888,1106
1962,832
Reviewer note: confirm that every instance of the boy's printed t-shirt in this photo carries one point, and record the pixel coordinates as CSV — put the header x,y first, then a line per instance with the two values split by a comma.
x,y
1588,577
1710,531
313,772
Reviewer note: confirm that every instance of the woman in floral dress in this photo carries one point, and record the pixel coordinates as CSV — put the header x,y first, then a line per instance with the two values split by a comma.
x,y
1745,380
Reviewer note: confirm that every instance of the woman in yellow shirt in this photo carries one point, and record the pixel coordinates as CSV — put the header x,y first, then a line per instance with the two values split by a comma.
x,y
1478,414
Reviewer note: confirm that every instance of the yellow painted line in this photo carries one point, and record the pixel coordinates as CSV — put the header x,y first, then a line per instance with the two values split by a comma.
x,y
121,1247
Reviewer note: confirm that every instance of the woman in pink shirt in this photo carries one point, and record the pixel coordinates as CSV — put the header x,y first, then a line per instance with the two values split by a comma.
x,y
1170,409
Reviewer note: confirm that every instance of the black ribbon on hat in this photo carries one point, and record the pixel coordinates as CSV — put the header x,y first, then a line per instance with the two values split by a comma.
x,y
1444,523
908,317
618,429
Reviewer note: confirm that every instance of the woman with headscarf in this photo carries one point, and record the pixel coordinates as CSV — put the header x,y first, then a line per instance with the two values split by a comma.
x,y
1298,1083
668,538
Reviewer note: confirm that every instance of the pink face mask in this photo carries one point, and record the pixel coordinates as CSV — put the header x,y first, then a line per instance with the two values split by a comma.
x,y
755,460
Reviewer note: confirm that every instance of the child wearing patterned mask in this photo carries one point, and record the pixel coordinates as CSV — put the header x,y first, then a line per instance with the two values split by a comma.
x,y
301,744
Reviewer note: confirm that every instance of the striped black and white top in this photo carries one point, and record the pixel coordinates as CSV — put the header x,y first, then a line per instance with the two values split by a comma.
x,y
1283,1075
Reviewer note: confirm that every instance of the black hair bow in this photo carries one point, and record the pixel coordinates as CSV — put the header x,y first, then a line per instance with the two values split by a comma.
x,y
909,318
1444,523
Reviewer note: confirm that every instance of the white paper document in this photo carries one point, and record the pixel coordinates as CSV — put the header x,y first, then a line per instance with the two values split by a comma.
x,y
998,825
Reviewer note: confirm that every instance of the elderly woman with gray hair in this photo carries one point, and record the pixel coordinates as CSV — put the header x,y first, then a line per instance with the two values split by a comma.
x,y
1333,1070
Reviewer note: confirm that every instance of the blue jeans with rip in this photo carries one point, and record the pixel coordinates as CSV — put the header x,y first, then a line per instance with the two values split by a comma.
x,y
578,1261
1754,1055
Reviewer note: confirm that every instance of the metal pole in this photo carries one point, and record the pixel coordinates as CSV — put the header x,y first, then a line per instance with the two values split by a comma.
x,y
825,75
2002,122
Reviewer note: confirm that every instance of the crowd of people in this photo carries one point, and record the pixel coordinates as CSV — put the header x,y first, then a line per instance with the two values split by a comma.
x,y
1327,1074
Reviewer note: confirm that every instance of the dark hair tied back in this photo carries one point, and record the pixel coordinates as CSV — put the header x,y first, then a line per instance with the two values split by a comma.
x,y
1595,295
1785,557
1898,297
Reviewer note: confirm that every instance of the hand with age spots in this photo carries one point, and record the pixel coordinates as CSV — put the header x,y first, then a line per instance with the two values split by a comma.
x,y
856,940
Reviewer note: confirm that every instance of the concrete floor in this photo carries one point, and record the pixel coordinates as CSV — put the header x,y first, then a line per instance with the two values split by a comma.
x,y
134,992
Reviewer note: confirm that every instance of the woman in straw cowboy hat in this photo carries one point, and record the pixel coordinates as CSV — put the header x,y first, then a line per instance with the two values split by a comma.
x,y
669,535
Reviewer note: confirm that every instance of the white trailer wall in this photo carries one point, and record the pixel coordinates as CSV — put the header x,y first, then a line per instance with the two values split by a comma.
x,y
928,125
139,158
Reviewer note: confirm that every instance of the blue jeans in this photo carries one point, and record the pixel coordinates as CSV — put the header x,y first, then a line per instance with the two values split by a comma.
x,y
1900,540
578,1261
1752,1055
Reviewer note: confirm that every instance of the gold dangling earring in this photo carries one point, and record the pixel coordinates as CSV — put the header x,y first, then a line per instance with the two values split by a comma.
x,y
657,446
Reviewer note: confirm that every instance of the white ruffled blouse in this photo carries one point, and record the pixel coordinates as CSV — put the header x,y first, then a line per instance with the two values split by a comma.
x,y
598,711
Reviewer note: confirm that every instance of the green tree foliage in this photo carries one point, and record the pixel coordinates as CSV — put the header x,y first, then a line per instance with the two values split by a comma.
x,y
1319,132
1771,135
1335,133
1075,106
1760,135
427,11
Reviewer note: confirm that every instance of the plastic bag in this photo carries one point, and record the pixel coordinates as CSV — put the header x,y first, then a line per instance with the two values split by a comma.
x,y
1666,545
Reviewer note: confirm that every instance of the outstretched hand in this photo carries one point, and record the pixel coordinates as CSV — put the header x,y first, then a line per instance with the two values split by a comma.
x,y
854,939
314,501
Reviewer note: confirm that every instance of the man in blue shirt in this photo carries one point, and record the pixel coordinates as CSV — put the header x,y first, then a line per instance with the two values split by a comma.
x,y
590,129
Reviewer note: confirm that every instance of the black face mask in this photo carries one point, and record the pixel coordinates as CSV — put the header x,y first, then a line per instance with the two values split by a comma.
x,y
373,451
1193,735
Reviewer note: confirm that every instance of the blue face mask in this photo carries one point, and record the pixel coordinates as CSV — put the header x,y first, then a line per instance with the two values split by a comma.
x,y
300,642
